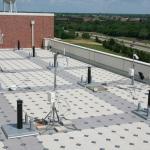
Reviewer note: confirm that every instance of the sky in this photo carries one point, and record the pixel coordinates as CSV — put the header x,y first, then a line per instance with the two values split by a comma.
x,y
84,6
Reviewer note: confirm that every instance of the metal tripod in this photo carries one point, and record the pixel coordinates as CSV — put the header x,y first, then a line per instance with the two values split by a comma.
x,y
53,116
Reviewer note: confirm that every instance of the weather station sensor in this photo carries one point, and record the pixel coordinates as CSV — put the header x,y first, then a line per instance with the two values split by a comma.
x,y
51,97
53,120
52,117
131,72
136,56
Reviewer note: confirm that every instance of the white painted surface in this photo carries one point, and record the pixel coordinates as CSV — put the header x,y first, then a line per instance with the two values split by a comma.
x,y
81,102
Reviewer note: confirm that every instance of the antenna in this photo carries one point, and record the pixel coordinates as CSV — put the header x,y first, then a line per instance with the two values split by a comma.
x,y
11,5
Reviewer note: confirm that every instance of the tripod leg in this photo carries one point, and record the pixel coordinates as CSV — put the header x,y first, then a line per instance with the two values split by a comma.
x,y
47,115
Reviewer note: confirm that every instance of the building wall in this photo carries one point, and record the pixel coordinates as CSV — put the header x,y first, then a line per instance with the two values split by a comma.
x,y
16,27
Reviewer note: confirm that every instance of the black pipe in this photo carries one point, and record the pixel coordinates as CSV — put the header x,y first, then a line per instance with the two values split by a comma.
x,y
33,48
89,75
149,99
18,45
19,114
55,59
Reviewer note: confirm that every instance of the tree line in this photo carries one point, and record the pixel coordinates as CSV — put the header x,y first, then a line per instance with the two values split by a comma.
x,y
116,47
140,30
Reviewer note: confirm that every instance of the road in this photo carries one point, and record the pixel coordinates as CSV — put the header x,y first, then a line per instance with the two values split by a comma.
x,y
136,45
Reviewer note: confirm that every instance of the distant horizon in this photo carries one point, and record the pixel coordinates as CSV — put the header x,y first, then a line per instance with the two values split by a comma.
x,y
139,7
23,11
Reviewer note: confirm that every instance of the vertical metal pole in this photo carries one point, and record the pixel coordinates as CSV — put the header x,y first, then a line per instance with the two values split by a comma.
x,y
19,114
89,75
55,70
33,49
149,99
26,118
148,105
55,85
32,35
18,45
133,66
33,43
31,123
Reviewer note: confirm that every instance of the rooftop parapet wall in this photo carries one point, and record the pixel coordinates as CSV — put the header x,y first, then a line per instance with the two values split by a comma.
x,y
108,61
26,14
17,26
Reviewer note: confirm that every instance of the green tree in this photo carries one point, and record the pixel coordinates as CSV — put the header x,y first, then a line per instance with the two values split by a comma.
x,y
98,40
68,35
86,36
143,34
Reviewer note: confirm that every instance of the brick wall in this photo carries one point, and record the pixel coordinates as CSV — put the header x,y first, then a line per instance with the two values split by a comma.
x,y
18,27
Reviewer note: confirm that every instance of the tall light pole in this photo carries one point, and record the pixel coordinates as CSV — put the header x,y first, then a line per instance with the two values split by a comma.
x,y
32,24
33,38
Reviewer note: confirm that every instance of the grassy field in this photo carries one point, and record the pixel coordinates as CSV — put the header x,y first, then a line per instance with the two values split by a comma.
x,y
90,44
125,38
82,41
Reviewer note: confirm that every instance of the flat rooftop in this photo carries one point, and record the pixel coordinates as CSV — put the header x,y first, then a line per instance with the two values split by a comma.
x,y
104,120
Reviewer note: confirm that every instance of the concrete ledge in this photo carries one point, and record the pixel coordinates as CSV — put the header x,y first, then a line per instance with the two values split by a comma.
x,y
111,62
